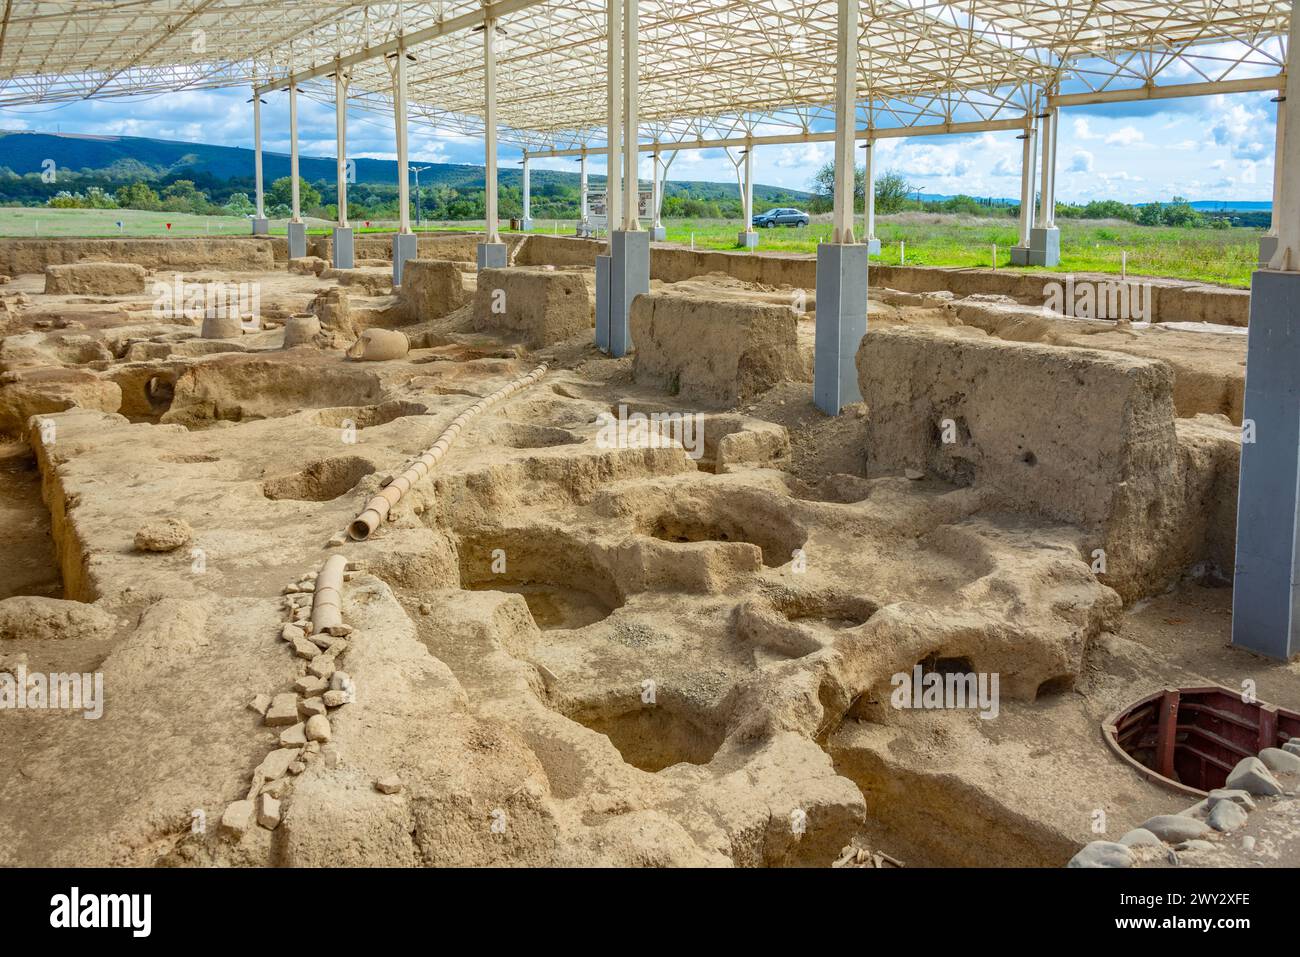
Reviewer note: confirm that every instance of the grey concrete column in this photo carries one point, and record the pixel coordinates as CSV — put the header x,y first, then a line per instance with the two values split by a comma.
x,y
602,302
840,325
1266,593
629,277
297,239
492,256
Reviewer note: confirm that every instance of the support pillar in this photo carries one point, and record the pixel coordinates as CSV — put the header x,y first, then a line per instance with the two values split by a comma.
x,y
1266,584
527,222
869,201
1044,237
842,263
629,247
1268,242
492,251
261,225
405,242
584,227
657,232
748,238
1028,160
342,254
606,313
297,228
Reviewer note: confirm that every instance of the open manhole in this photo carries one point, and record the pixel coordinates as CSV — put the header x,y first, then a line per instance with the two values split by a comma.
x,y
1190,739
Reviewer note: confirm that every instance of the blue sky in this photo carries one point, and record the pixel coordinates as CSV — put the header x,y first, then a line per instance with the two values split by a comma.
x,y
1210,148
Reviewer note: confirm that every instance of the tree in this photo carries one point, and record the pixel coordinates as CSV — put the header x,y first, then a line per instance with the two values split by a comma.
x,y
239,205
281,193
891,191
137,196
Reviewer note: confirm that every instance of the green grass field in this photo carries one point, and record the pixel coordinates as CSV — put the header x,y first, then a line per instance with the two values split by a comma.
x,y
1225,256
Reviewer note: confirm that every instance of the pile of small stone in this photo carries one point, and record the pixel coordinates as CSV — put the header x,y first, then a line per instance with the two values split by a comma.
x,y
1200,826
858,855
302,715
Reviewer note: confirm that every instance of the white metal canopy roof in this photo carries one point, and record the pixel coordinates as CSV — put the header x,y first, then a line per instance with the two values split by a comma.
x,y
708,68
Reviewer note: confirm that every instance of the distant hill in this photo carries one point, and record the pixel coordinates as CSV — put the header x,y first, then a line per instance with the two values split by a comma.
x,y
145,158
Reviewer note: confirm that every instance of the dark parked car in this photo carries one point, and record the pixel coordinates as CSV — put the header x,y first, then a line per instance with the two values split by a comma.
x,y
781,217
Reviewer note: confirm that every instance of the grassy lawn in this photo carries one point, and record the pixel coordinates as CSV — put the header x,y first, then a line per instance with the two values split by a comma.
x,y
1224,256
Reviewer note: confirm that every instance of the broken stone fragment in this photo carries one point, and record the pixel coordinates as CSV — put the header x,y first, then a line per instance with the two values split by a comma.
x,y
322,640
335,699
163,535
294,737
275,764
1194,845
1278,760
1292,746
283,710
389,784
277,788
260,704
297,767
318,728
340,631
336,647
237,818
336,540
310,685
291,633
1252,775
1102,854
1174,827
426,608
312,706
340,681
268,812
330,755
1227,816
322,666
916,475
305,648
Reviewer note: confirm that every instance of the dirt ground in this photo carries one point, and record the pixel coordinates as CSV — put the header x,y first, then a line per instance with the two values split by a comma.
x,y
559,650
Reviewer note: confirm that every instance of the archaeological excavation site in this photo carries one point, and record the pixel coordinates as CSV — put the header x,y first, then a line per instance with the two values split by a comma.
x,y
334,548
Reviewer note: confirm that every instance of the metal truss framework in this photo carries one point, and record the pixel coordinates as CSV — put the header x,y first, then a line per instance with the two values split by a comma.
x,y
712,72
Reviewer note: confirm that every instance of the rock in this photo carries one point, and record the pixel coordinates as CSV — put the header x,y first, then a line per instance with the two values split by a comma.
x,y
340,681
283,710
1227,816
916,475
389,784
1248,844
1252,775
336,647
309,685
1194,845
1140,837
335,699
426,608
297,767
260,704
337,540
330,755
1292,746
237,818
294,737
322,666
305,648
1103,854
1231,794
277,788
268,812
1174,827
291,633
1198,810
1276,759
318,728
275,764
313,706
163,535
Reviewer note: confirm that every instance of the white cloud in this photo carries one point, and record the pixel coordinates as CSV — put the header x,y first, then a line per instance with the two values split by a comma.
x,y
1126,136
1081,162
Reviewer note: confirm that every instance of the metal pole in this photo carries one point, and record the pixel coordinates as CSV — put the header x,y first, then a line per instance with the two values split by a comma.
x,y
869,193
490,128
656,191
528,213
399,127
341,135
749,190
582,189
846,82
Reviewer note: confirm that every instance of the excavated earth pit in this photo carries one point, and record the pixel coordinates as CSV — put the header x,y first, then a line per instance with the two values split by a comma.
x,y
577,651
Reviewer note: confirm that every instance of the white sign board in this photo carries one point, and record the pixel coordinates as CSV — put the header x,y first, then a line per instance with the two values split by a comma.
x,y
598,215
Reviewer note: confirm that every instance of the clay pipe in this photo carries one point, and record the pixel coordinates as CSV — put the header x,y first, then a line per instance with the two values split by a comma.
x,y
377,508
327,599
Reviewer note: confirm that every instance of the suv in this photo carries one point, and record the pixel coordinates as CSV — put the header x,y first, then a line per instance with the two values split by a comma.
x,y
783,216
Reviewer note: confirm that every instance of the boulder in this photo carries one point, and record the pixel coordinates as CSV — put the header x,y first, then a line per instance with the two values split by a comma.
x,y
1103,854
1253,776
163,535
1174,827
